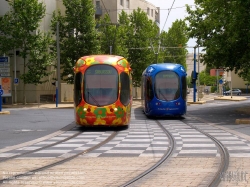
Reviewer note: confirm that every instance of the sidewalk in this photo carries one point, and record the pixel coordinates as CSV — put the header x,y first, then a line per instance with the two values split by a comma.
x,y
136,103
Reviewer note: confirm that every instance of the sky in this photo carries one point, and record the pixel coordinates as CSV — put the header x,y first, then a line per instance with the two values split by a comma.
x,y
178,11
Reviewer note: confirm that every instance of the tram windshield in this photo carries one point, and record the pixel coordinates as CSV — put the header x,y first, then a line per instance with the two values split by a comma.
x,y
167,85
100,85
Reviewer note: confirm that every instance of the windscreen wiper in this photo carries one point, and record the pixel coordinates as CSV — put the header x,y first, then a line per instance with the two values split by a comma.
x,y
89,94
162,95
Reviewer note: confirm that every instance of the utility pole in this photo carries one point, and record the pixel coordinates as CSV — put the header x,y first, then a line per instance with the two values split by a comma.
x,y
194,83
58,85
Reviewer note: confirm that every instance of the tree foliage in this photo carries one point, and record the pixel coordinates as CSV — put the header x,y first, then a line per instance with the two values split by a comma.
x,y
175,41
138,30
222,27
19,29
78,36
40,58
206,79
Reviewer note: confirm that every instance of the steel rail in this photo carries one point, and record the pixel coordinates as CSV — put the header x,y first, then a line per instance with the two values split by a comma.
x,y
61,161
41,148
223,153
163,159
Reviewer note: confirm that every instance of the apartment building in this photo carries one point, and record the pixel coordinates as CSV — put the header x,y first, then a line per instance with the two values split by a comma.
x,y
46,91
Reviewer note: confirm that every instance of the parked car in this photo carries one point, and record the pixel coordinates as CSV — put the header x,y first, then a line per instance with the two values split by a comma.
x,y
235,92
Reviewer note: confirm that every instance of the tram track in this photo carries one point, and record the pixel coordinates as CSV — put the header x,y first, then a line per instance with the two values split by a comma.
x,y
56,163
41,148
224,158
167,155
223,154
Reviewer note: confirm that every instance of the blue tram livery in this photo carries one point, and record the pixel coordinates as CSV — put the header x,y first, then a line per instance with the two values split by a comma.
x,y
164,90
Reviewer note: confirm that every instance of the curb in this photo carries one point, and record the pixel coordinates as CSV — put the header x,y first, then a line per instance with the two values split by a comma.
x,y
242,121
4,112
234,98
197,102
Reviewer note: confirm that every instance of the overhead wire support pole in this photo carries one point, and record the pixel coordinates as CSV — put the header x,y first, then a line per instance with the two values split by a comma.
x,y
58,87
194,83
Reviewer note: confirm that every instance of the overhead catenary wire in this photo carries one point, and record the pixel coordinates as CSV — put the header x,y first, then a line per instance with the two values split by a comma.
x,y
106,10
168,15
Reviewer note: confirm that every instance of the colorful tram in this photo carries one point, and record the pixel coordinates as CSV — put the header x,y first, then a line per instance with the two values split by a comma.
x,y
102,91
164,90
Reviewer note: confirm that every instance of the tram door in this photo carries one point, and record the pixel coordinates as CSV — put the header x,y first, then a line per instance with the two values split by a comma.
x,y
148,94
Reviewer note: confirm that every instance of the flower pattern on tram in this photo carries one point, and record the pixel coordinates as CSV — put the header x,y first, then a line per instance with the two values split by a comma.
x,y
123,63
100,121
90,61
100,112
80,112
80,62
83,121
119,113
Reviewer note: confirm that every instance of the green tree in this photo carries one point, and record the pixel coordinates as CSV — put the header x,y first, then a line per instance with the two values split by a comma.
x,y
175,41
222,28
138,32
206,79
108,35
19,29
39,59
78,36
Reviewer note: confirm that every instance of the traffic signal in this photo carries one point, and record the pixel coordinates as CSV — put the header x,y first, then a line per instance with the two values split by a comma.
x,y
194,77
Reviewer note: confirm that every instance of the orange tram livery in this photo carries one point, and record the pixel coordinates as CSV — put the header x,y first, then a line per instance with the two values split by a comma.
x,y
102,91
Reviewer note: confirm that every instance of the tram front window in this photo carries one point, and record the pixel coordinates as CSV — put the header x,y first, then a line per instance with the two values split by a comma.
x,y
167,85
101,85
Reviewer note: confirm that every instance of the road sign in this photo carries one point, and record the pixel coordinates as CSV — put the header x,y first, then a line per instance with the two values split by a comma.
x,y
4,66
4,59
16,81
220,81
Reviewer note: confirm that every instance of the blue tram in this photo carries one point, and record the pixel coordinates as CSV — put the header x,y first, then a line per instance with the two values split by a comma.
x,y
164,90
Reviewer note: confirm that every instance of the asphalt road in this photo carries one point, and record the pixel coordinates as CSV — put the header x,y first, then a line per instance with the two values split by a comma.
x,y
27,124
223,113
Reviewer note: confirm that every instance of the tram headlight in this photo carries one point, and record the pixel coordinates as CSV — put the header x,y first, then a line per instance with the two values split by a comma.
x,y
115,109
85,109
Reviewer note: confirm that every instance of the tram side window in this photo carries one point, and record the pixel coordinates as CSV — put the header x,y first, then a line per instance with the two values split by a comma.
x,y
184,87
149,89
125,88
77,88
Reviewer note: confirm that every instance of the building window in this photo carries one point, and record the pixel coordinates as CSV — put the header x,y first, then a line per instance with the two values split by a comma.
x,y
127,3
97,4
152,12
148,10
121,2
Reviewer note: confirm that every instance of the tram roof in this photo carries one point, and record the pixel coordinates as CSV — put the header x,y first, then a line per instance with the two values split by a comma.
x,y
167,66
154,68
